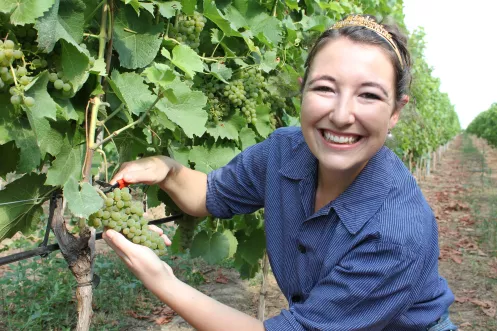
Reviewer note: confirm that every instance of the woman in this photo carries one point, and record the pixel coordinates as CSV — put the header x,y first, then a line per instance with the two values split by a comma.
x,y
351,240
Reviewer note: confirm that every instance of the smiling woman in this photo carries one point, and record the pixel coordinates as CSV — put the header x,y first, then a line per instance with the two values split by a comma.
x,y
351,240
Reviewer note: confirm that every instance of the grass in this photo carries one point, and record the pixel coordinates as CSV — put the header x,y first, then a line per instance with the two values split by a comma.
x,y
39,294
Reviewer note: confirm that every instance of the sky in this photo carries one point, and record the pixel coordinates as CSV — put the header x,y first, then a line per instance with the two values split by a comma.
x,y
461,46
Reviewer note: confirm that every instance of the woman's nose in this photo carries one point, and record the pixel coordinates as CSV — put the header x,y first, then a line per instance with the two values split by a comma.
x,y
342,112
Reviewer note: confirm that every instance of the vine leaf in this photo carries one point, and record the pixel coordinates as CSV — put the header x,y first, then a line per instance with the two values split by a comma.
x,y
168,9
152,196
188,6
131,89
212,249
136,39
221,72
247,138
160,74
187,60
263,124
82,203
68,163
232,241
65,20
206,159
185,109
75,65
250,250
44,106
179,153
49,140
25,11
213,14
228,128
269,61
22,216
10,158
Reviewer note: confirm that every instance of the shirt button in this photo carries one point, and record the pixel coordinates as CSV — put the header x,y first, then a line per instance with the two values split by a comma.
x,y
296,298
302,249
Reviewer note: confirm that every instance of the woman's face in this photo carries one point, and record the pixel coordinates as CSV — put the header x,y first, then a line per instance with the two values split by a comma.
x,y
348,104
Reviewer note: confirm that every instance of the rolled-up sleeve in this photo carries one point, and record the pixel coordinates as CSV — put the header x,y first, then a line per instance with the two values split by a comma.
x,y
371,285
239,187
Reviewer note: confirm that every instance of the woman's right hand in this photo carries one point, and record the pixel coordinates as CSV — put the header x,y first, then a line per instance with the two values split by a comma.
x,y
150,170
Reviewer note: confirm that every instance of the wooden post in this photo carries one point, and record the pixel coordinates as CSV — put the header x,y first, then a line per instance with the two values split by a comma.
x,y
263,291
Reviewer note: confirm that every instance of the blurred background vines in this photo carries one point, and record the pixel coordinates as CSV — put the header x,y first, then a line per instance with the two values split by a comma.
x,y
485,124
87,85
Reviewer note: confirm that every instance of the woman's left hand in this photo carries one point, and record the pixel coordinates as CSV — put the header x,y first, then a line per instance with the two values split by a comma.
x,y
141,260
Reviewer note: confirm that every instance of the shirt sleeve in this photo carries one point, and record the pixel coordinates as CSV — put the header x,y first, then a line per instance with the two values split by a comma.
x,y
370,286
239,187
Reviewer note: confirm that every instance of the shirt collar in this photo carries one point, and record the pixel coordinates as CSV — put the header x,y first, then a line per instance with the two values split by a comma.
x,y
362,199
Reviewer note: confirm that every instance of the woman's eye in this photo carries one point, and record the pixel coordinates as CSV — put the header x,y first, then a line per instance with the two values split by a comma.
x,y
370,96
323,88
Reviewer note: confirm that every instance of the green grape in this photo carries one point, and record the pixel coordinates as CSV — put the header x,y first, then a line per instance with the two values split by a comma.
x,y
126,197
2,84
60,74
112,224
138,232
130,235
97,223
8,44
58,84
24,80
120,204
132,229
29,101
17,54
127,203
109,202
66,87
52,77
105,214
105,222
13,91
22,71
8,54
116,216
36,63
15,100
136,239
126,231
153,245
118,228
148,243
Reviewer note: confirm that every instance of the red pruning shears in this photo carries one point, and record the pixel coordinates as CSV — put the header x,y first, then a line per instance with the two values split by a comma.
x,y
121,183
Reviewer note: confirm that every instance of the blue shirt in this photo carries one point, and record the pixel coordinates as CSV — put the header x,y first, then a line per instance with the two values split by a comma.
x,y
368,260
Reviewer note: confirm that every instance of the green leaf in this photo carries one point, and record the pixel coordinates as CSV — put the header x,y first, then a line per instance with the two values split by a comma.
x,y
67,111
212,249
269,61
82,203
247,138
25,11
24,216
213,14
160,74
168,9
62,21
68,163
44,105
267,26
187,110
99,68
251,247
187,60
152,199
132,91
206,159
49,140
179,153
135,4
26,141
221,72
136,39
188,6
263,124
74,65
228,128
232,241
10,157
148,7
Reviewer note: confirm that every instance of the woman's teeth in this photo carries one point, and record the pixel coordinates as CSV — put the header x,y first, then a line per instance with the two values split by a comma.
x,y
339,139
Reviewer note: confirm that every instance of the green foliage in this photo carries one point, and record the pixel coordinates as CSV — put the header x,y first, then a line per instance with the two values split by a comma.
x,y
485,125
199,81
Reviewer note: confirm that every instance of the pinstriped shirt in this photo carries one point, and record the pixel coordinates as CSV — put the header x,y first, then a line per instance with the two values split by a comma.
x,y
368,260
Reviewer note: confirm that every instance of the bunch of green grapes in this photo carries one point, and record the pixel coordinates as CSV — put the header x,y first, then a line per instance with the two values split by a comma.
x,y
13,73
188,28
123,215
59,82
186,229
217,107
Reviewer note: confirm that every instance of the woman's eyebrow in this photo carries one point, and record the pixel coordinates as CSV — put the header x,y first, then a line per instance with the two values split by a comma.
x,y
323,77
373,84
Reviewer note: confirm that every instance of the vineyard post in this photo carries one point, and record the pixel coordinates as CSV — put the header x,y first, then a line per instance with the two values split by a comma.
x,y
263,291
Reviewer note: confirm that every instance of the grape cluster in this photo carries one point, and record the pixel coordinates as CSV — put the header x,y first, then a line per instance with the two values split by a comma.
x,y
13,73
217,108
123,215
59,82
188,28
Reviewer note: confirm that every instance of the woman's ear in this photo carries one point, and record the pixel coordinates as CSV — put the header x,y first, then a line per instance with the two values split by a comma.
x,y
300,81
396,113
403,101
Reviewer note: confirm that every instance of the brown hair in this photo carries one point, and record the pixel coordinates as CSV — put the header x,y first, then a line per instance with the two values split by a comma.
x,y
362,35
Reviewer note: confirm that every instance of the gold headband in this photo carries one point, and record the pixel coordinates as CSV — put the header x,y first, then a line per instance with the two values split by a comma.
x,y
368,23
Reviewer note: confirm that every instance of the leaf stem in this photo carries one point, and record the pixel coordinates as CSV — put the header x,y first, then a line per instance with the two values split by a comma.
x,y
274,8
114,113
95,11
96,36
105,163
93,121
138,121
215,48
103,31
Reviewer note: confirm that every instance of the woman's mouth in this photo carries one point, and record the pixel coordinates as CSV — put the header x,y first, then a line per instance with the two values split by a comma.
x,y
334,138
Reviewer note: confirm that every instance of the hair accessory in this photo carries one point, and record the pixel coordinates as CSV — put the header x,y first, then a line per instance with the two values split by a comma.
x,y
369,23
